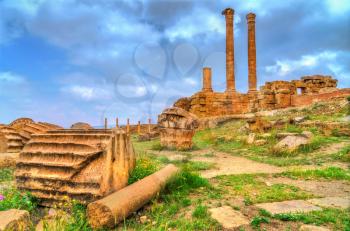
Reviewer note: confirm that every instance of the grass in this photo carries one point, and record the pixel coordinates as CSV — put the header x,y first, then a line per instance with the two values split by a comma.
x,y
14,199
256,191
6,174
200,211
339,219
330,173
343,154
257,220
145,166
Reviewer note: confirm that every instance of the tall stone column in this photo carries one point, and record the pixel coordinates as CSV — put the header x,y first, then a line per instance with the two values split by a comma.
x,y
207,79
251,53
230,60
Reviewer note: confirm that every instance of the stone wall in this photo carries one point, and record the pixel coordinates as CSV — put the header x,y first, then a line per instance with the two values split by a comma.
x,y
272,95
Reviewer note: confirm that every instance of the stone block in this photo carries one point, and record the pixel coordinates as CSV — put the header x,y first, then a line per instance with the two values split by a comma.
x,y
14,219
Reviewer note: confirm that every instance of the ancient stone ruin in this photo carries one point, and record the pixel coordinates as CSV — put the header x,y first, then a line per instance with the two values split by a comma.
x,y
81,125
177,128
81,164
15,135
272,95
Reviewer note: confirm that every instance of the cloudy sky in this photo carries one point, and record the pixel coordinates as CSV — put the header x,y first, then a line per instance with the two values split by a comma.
x,y
64,61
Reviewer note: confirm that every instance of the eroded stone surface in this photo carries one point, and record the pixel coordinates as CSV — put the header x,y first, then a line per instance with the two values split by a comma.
x,y
81,125
228,217
292,142
81,164
293,206
14,219
8,159
177,128
335,202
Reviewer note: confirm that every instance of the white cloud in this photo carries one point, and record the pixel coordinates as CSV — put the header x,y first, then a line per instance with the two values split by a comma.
x,y
88,93
12,78
194,24
190,81
285,67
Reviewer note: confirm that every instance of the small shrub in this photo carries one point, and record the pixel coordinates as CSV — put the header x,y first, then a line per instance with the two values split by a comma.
x,y
200,211
259,220
264,213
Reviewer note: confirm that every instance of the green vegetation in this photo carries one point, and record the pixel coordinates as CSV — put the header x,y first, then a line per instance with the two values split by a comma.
x,y
145,166
343,154
200,211
340,219
6,174
331,173
257,220
256,191
11,198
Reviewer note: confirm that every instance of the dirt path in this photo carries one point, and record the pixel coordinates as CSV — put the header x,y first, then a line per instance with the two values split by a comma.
x,y
227,164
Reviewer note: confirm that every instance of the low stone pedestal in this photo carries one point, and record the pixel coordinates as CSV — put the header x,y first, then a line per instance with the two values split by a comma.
x,y
177,128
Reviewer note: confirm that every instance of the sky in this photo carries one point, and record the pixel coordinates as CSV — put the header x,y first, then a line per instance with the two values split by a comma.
x,y
67,61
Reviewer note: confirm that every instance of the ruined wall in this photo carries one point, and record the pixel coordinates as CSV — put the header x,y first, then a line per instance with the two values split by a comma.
x,y
272,95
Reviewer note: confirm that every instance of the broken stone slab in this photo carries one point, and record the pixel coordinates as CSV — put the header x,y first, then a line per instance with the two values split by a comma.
x,y
111,210
313,228
298,119
292,142
282,135
228,218
334,202
14,219
293,206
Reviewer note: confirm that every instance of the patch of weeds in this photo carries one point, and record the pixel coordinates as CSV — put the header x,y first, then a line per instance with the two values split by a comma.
x,y
343,154
255,191
247,201
210,154
200,211
333,173
157,147
6,174
316,143
78,220
145,166
14,199
340,219
257,220
293,128
264,213
198,166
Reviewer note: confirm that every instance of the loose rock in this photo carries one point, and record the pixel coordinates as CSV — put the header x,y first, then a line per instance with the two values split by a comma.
x,y
14,219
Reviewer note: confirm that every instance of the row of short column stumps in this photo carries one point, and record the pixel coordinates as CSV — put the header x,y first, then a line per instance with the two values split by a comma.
x,y
127,127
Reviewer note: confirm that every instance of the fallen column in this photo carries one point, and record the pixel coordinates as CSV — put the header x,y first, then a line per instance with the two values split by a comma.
x,y
114,208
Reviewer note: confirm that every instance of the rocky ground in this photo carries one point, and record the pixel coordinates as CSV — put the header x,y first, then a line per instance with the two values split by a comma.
x,y
235,179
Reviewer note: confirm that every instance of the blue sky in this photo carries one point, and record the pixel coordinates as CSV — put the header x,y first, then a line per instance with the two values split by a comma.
x,y
64,61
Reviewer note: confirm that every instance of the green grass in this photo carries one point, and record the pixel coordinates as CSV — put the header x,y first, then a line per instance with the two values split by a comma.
x,y
330,173
339,219
200,211
257,220
256,191
6,174
168,210
14,199
343,154
145,166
